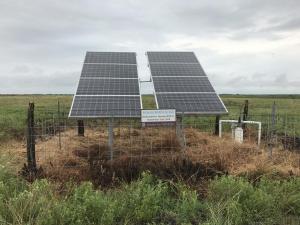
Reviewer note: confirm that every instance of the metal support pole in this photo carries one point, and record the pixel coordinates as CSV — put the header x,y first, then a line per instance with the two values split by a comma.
x,y
180,132
111,137
217,125
220,128
259,134
80,126
178,126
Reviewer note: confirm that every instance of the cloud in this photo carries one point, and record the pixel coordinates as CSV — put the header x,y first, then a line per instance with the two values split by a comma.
x,y
43,42
37,81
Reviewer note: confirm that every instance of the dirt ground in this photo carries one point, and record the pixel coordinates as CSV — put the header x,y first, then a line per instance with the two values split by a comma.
x,y
68,156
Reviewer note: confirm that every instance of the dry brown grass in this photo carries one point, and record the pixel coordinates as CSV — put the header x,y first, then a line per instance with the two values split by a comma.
x,y
154,149
224,154
15,151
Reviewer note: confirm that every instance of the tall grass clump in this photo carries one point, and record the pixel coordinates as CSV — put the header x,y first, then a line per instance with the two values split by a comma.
x,y
20,202
149,200
234,200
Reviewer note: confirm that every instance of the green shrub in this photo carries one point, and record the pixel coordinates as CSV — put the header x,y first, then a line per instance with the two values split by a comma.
x,y
227,213
286,194
83,206
187,206
136,203
144,200
244,203
230,201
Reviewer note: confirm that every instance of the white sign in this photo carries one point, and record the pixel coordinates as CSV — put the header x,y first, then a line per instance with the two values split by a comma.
x,y
158,115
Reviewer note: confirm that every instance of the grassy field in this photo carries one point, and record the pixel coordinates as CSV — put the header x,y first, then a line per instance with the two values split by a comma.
x,y
13,111
14,107
260,105
256,197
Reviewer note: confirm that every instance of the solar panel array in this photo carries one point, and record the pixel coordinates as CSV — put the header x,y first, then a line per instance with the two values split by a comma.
x,y
108,86
180,83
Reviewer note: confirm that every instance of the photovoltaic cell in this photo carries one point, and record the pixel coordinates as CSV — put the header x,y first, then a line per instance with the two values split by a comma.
x,y
110,57
172,57
159,69
106,86
106,106
203,103
182,84
109,70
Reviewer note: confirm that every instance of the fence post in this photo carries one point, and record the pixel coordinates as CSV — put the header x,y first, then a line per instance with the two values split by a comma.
x,y
217,125
80,126
31,139
272,133
59,124
285,131
245,116
245,113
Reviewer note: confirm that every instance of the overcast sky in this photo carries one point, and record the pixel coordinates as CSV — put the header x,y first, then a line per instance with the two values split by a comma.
x,y
245,46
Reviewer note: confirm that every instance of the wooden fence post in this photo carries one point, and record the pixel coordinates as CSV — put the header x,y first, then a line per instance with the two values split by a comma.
x,y
245,116
31,139
272,132
59,124
80,125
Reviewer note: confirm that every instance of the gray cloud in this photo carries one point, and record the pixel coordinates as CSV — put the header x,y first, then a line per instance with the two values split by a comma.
x,y
43,42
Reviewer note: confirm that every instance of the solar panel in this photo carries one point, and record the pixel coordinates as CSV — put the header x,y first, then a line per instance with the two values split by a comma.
x,y
109,70
191,103
108,87
105,106
172,57
180,83
159,69
110,57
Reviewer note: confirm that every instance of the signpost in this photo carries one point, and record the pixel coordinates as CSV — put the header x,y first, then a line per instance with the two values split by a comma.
x,y
158,117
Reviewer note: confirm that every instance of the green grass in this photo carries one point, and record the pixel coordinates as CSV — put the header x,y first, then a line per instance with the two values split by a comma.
x,y
230,201
260,105
13,110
